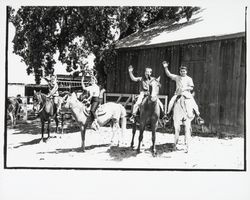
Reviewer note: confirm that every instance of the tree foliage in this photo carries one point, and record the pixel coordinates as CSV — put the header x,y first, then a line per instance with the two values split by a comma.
x,y
75,32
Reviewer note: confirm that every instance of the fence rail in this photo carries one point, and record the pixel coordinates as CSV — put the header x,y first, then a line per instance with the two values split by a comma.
x,y
127,99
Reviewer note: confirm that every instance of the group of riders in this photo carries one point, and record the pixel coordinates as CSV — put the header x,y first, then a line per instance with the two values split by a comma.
x,y
184,86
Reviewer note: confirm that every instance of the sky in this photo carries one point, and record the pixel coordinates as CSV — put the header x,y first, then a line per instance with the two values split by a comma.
x,y
17,69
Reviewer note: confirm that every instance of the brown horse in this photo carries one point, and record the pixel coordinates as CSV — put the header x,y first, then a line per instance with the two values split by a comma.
x,y
149,113
46,110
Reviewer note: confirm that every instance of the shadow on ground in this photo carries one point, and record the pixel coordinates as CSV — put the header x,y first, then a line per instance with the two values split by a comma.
x,y
119,153
32,142
76,150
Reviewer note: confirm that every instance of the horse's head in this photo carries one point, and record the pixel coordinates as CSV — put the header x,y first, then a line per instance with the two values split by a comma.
x,y
69,99
37,100
154,88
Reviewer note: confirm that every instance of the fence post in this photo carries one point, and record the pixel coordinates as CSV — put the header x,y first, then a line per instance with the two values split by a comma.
x,y
166,104
105,97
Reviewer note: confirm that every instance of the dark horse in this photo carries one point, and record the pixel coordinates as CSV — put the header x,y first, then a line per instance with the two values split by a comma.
x,y
46,109
149,113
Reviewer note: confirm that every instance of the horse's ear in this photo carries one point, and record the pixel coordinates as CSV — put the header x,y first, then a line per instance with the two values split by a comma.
x,y
158,79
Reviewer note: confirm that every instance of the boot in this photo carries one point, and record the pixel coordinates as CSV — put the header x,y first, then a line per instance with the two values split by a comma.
x,y
132,118
167,118
95,125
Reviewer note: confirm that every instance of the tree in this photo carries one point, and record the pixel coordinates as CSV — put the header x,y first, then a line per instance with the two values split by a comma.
x,y
78,31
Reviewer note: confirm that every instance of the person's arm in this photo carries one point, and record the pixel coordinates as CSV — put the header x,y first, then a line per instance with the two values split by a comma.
x,y
83,85
46,79
102,92
189,87
170,75
131,75
55,88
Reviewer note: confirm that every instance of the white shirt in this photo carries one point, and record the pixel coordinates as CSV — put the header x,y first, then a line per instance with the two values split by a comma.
x,y
182,83
94,90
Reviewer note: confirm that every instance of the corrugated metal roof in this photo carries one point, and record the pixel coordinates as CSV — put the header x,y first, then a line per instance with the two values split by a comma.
x,y
208,23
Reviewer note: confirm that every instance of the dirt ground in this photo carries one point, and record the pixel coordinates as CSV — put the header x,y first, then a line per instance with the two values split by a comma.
x,y
26,149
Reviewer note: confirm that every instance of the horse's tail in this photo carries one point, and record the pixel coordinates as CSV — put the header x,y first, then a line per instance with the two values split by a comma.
x,y
123,118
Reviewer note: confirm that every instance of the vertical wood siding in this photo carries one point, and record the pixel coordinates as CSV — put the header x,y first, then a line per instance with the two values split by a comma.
x,y
218,69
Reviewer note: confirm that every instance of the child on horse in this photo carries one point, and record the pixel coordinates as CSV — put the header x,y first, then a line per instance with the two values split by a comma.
x,y
143,90
94,96
53,90
184,86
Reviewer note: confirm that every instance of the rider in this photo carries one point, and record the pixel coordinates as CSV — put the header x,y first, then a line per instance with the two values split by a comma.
x,y
184,86
53,90
143,90
94,92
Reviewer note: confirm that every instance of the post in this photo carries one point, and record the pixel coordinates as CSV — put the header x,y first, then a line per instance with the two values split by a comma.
x,y
166,104
105,98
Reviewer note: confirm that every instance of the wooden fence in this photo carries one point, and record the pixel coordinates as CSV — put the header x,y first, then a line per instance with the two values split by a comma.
x,y
127,99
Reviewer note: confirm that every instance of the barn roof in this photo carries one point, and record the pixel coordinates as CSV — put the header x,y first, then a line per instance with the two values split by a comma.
x,y
206,24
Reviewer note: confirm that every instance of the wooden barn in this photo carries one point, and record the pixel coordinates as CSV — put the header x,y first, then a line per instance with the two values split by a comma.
x,y
212,44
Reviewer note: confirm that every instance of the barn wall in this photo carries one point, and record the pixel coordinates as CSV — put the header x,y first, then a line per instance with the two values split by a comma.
x,y
218,69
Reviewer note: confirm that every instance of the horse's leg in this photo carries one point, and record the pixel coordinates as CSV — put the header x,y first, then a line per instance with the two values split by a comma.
x,y
56,120
117,131
62,120
48,130
14,120
142,128
133,134
176,136
11,120
42,128
187,136
83,131
153,127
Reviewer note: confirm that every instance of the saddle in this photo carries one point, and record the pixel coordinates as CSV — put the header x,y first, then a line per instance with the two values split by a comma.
x,y
99,112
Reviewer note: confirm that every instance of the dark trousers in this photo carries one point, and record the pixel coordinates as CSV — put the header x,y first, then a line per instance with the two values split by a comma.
x,y
95,101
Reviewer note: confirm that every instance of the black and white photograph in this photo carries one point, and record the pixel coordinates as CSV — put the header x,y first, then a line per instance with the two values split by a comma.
x,y
125,89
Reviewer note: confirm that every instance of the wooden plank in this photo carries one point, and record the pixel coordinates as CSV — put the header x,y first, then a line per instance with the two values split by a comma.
x,y
242,89
214,68
236,80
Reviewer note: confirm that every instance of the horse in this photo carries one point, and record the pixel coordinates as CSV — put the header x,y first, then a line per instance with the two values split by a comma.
x,y
46,109
13,107
183,120
108,112
149,113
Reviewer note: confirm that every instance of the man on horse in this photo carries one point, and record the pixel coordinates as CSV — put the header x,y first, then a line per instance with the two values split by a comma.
x,y
143,90
53,90
184,86
94,97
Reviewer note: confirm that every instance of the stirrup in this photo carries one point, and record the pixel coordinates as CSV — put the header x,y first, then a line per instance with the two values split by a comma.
x,y
132,119
200,121
167,118
95,125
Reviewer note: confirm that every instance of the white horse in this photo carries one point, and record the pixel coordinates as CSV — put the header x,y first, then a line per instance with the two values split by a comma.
x,y
108,112
182,119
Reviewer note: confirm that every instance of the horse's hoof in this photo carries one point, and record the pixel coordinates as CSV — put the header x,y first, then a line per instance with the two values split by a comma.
x,y
154,154
138,151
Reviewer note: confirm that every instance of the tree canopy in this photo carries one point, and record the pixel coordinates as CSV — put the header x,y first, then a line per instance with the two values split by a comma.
x,y
75,32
